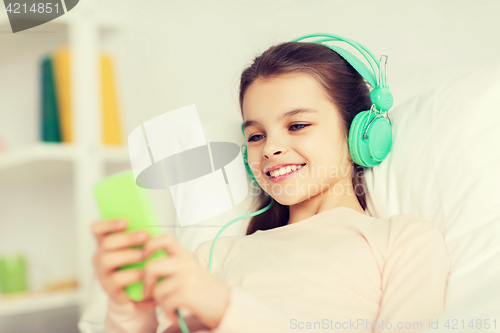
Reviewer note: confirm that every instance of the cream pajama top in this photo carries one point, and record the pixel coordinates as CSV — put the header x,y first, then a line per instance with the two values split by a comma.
x,y
336,271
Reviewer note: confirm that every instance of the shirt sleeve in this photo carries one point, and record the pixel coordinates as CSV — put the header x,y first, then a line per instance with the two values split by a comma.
x,y
124,318
415,276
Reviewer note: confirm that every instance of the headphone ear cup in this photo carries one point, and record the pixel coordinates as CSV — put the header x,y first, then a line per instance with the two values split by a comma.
x,y
353,145
375,148
245,161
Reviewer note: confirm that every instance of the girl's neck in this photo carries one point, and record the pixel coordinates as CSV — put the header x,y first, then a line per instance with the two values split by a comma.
x,y
324,201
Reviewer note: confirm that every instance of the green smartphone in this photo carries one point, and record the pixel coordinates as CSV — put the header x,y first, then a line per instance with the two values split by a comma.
x,y
118,197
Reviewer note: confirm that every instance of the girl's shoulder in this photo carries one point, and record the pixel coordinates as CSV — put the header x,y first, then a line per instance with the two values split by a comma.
x,y
400,235
411,226
409,233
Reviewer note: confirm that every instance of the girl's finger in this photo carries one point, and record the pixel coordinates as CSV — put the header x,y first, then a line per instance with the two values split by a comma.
x,y
166,242
121,279
124,240
170,304
144,305
157,268
122,297
104,227
112,260
166,288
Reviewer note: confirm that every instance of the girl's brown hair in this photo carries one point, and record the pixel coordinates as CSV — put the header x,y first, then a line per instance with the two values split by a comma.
x,y
345,87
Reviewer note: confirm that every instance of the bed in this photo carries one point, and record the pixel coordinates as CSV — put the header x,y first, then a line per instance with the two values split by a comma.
x,y
443,167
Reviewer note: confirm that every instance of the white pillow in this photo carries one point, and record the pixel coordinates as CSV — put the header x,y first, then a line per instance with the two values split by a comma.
x,y
444,167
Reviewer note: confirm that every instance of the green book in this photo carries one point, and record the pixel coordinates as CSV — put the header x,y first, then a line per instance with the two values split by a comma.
x,y
50,124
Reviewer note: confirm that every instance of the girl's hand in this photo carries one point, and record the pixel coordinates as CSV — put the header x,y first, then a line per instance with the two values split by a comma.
x,y
114,249
187,283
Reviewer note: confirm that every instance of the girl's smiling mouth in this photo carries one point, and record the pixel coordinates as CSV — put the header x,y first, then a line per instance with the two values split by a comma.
x,y
276,176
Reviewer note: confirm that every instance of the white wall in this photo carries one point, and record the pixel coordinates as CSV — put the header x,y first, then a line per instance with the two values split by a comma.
x,y
175,53
183,52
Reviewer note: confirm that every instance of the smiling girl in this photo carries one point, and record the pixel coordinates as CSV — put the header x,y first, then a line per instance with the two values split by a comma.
x,y
315,260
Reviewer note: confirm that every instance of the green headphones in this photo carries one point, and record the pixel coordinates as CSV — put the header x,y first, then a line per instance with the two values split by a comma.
x,y
370,134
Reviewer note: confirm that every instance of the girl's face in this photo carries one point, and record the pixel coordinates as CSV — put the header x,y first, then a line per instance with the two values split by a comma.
x,y
289,120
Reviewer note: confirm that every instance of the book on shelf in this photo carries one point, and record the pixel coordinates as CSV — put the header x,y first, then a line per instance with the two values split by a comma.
x,y
50,131
112,134
112,129
61,73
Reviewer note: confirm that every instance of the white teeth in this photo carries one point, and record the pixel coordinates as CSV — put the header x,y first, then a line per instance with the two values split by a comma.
x,y
286,170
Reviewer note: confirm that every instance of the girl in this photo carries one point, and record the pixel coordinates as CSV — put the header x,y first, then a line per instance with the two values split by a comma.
x,y
315,260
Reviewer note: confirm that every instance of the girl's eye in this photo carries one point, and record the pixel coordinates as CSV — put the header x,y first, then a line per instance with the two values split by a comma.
x,y
303,125
253,136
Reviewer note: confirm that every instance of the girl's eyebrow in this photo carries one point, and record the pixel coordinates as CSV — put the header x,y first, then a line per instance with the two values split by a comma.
x,y
282,117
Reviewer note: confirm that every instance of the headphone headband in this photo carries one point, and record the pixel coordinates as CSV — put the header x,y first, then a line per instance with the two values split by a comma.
x,y
376,77
370,133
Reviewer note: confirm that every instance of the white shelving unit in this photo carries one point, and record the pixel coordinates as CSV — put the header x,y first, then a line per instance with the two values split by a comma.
x,y
76,167
38,302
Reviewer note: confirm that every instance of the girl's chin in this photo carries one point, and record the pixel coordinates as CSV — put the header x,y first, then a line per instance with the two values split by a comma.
x,y
287,200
